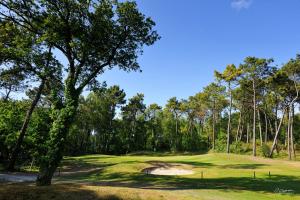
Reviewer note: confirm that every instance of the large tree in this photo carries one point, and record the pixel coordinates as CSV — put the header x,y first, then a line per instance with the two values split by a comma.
x,y
102,105
215,102
134,123
154,127
93,36
291,72
255,70
229,75
174,106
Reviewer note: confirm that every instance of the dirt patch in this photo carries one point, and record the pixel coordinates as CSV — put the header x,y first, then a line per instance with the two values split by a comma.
x,y
161,168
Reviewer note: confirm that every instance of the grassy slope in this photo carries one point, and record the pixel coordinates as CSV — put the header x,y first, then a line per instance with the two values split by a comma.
x,y
225,177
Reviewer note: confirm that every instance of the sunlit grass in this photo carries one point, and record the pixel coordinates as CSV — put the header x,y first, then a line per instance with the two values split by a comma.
x,y
225,176
121,177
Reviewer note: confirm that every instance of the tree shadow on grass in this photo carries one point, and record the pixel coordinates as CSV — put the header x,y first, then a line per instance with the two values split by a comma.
x,y
54,192
165,153
243,166
195,163
71,165
158,163
139,180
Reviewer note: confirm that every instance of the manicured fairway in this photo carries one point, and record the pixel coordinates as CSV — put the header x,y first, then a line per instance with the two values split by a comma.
x,y
121,177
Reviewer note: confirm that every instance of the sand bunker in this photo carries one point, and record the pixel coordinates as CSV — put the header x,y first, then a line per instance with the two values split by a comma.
x,y
167,169
170,171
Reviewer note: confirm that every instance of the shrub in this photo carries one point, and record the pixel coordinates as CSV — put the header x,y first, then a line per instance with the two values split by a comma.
x,y
237,147
265,150
221,143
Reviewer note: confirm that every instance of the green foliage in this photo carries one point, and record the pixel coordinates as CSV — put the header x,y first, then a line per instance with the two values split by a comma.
x,y
12,114
11,117
237,147
265,150
221,142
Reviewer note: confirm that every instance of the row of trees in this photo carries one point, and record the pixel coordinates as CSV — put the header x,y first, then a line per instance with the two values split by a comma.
x,y
106,124
255,101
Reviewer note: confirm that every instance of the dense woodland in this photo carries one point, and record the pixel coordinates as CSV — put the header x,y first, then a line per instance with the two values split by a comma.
x,y
250,108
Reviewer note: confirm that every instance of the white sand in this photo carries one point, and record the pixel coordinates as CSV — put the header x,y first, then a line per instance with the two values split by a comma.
x,y
169,171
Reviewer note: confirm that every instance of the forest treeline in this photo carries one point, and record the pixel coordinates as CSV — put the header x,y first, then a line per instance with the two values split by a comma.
x,y
247,106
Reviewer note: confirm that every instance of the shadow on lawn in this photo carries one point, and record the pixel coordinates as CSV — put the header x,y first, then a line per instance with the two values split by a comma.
x,y
162,154
138,180
243,166
54,192
195,163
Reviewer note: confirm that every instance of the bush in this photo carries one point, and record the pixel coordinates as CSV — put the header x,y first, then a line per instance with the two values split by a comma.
x,y
221,143
265,150
237,147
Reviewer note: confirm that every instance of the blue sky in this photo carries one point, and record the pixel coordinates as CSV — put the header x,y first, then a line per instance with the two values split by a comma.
x,y
200,36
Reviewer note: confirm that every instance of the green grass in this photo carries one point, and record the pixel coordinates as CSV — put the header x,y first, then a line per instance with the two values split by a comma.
x,y
225,176
121,177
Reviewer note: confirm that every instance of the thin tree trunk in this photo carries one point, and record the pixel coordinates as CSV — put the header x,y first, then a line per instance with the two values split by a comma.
x,y
271,127
238,128
7,94
241,132
260,130
276,134
213,127
276,118
292,120
176,132
266,127
276,126
254,118
288,135
17,148
229,119
248,133
292,132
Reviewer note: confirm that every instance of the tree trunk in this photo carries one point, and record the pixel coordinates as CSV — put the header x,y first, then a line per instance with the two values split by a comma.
x,y
58,133
276,127
276,115
229,119
16,151
176,132
6,97
254,118
260,130
241,132
266,127
247,133
239,127
214,134
288,135
292,132
276,134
